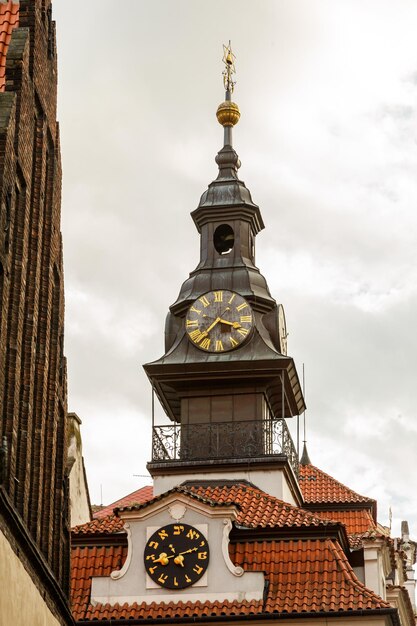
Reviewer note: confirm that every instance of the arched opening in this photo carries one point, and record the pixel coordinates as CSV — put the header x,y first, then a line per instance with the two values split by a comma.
x,y
224,238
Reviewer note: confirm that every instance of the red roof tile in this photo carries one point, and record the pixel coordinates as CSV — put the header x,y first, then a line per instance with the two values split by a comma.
x,y
256,509
137,497
88,561
172,610
9,19
356,521
304,575
105,526
318,487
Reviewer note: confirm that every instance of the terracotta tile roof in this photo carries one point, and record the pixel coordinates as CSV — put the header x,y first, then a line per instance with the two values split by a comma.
x,y
257,508
304,576
205,499
172,610
356,521
356,540
9,19
103,526
137,497
318,487
88,561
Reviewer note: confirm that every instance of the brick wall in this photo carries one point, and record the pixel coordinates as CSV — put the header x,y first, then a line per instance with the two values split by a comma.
x,y
33,401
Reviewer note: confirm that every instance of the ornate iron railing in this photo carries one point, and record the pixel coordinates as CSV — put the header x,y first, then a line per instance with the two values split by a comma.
x,y
223,440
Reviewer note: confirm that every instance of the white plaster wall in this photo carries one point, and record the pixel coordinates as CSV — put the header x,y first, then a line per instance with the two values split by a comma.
x,y
21,604
79,507
78,489
273,482
221,583
374,575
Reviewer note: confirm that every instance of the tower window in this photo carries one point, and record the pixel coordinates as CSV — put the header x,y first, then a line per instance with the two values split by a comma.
x,y
224,239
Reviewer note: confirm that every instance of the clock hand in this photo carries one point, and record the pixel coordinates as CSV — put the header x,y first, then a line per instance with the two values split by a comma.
x,y
163,558
234,324
179,560
206,332
188,551
173,556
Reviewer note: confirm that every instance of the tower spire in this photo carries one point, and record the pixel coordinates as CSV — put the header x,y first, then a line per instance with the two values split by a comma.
x,y
228,113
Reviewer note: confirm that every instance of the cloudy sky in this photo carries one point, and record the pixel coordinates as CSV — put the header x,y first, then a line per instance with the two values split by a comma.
x,y
327,139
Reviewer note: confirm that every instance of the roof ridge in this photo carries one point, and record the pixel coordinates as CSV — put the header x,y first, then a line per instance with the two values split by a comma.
x,y
176,489
113,504
286,506
349,574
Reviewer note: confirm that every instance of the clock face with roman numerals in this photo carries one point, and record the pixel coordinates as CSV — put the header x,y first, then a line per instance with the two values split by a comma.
x,y
176,556
219,321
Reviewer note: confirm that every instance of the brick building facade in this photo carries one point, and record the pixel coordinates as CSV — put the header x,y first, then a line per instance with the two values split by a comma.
x,y
34,517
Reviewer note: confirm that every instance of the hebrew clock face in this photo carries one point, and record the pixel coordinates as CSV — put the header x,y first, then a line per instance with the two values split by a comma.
x,y
176,556
219,321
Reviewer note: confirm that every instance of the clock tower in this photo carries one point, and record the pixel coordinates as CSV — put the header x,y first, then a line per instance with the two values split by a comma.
x,y
226,381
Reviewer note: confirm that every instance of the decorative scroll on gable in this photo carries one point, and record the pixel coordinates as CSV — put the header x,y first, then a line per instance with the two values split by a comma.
x,y
178,551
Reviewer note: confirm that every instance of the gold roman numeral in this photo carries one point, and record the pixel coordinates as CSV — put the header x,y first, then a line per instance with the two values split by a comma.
x,y
195,310
232,298
205,344
196,335
246,318
193,323
234,342
218,296
242,306
243,331
204,301
219,346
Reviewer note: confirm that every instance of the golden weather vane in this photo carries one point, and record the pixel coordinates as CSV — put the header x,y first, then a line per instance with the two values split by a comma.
x,y
229,61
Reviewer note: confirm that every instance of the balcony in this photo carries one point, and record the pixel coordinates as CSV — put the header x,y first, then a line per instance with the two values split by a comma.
x,y
260,439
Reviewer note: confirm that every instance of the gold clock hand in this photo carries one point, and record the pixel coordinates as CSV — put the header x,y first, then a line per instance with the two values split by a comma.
x,y
206,332
234,324
179,560
188,551
163,558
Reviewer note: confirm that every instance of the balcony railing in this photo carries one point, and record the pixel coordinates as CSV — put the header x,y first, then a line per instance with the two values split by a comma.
x,y
223,440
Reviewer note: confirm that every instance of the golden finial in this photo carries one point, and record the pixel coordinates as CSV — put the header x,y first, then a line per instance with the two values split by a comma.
x,y
229,61
228,113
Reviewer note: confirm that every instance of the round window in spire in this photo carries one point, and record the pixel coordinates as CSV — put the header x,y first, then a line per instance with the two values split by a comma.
x,y
224,239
